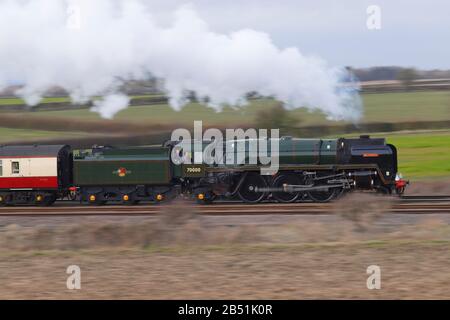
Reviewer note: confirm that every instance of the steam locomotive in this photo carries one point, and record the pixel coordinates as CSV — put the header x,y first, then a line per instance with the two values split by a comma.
x,y
316,170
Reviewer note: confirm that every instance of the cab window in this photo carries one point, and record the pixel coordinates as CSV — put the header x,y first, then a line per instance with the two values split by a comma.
x,y
1,168
15,168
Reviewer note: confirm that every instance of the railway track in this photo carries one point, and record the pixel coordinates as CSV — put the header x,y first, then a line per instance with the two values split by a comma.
x,y
405,199
410,205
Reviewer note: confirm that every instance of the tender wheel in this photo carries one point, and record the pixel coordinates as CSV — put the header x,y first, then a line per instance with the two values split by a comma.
x,y
247,190
205,197
282,179
93,200
129,199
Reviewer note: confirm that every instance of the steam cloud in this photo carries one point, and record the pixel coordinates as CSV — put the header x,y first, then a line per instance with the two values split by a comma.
x,y
110,105
92,47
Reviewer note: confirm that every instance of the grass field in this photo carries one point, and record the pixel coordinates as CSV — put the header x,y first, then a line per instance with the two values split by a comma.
x,y
8,134
385,107
19,101
422,155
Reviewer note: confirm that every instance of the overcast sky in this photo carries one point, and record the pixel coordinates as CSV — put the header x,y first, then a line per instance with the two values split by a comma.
x,y
413,32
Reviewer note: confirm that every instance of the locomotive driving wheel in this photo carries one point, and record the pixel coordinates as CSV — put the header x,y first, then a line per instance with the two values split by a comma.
x,y
324,195
248,191
286,179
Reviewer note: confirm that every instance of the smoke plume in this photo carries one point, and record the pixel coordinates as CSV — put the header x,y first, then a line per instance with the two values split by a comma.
x,y
110,105
91,47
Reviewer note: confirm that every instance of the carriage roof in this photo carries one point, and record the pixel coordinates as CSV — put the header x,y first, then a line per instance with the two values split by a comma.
x,y
31,150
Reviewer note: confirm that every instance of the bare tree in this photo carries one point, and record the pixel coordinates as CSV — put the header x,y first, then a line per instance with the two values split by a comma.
x,y
407,77
276,117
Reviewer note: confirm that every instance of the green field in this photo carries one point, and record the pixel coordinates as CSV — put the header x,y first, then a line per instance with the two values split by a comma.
x,y
422,155
383,107
19,101
8,134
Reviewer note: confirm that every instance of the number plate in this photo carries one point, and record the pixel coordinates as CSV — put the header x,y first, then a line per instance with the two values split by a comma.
x,y
193,171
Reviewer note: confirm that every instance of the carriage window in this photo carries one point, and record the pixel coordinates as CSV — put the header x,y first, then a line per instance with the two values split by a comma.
x,y
15,169
1,168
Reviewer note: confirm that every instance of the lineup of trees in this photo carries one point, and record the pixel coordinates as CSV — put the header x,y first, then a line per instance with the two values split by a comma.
x,y
398,73
406,76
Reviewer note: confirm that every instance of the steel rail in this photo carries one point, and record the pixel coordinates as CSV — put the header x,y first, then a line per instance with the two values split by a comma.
x,y
215,209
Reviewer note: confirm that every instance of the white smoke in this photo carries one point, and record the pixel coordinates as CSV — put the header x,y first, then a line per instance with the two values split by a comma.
x,y
110,105
91,47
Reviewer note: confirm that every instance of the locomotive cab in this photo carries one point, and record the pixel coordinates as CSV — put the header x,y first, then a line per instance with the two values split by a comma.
x,y
370,153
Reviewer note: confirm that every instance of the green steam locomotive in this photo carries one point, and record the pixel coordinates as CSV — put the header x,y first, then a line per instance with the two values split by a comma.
x,y
316,170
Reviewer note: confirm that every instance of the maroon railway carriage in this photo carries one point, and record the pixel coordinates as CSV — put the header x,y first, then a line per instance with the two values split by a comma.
x,y
37,174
